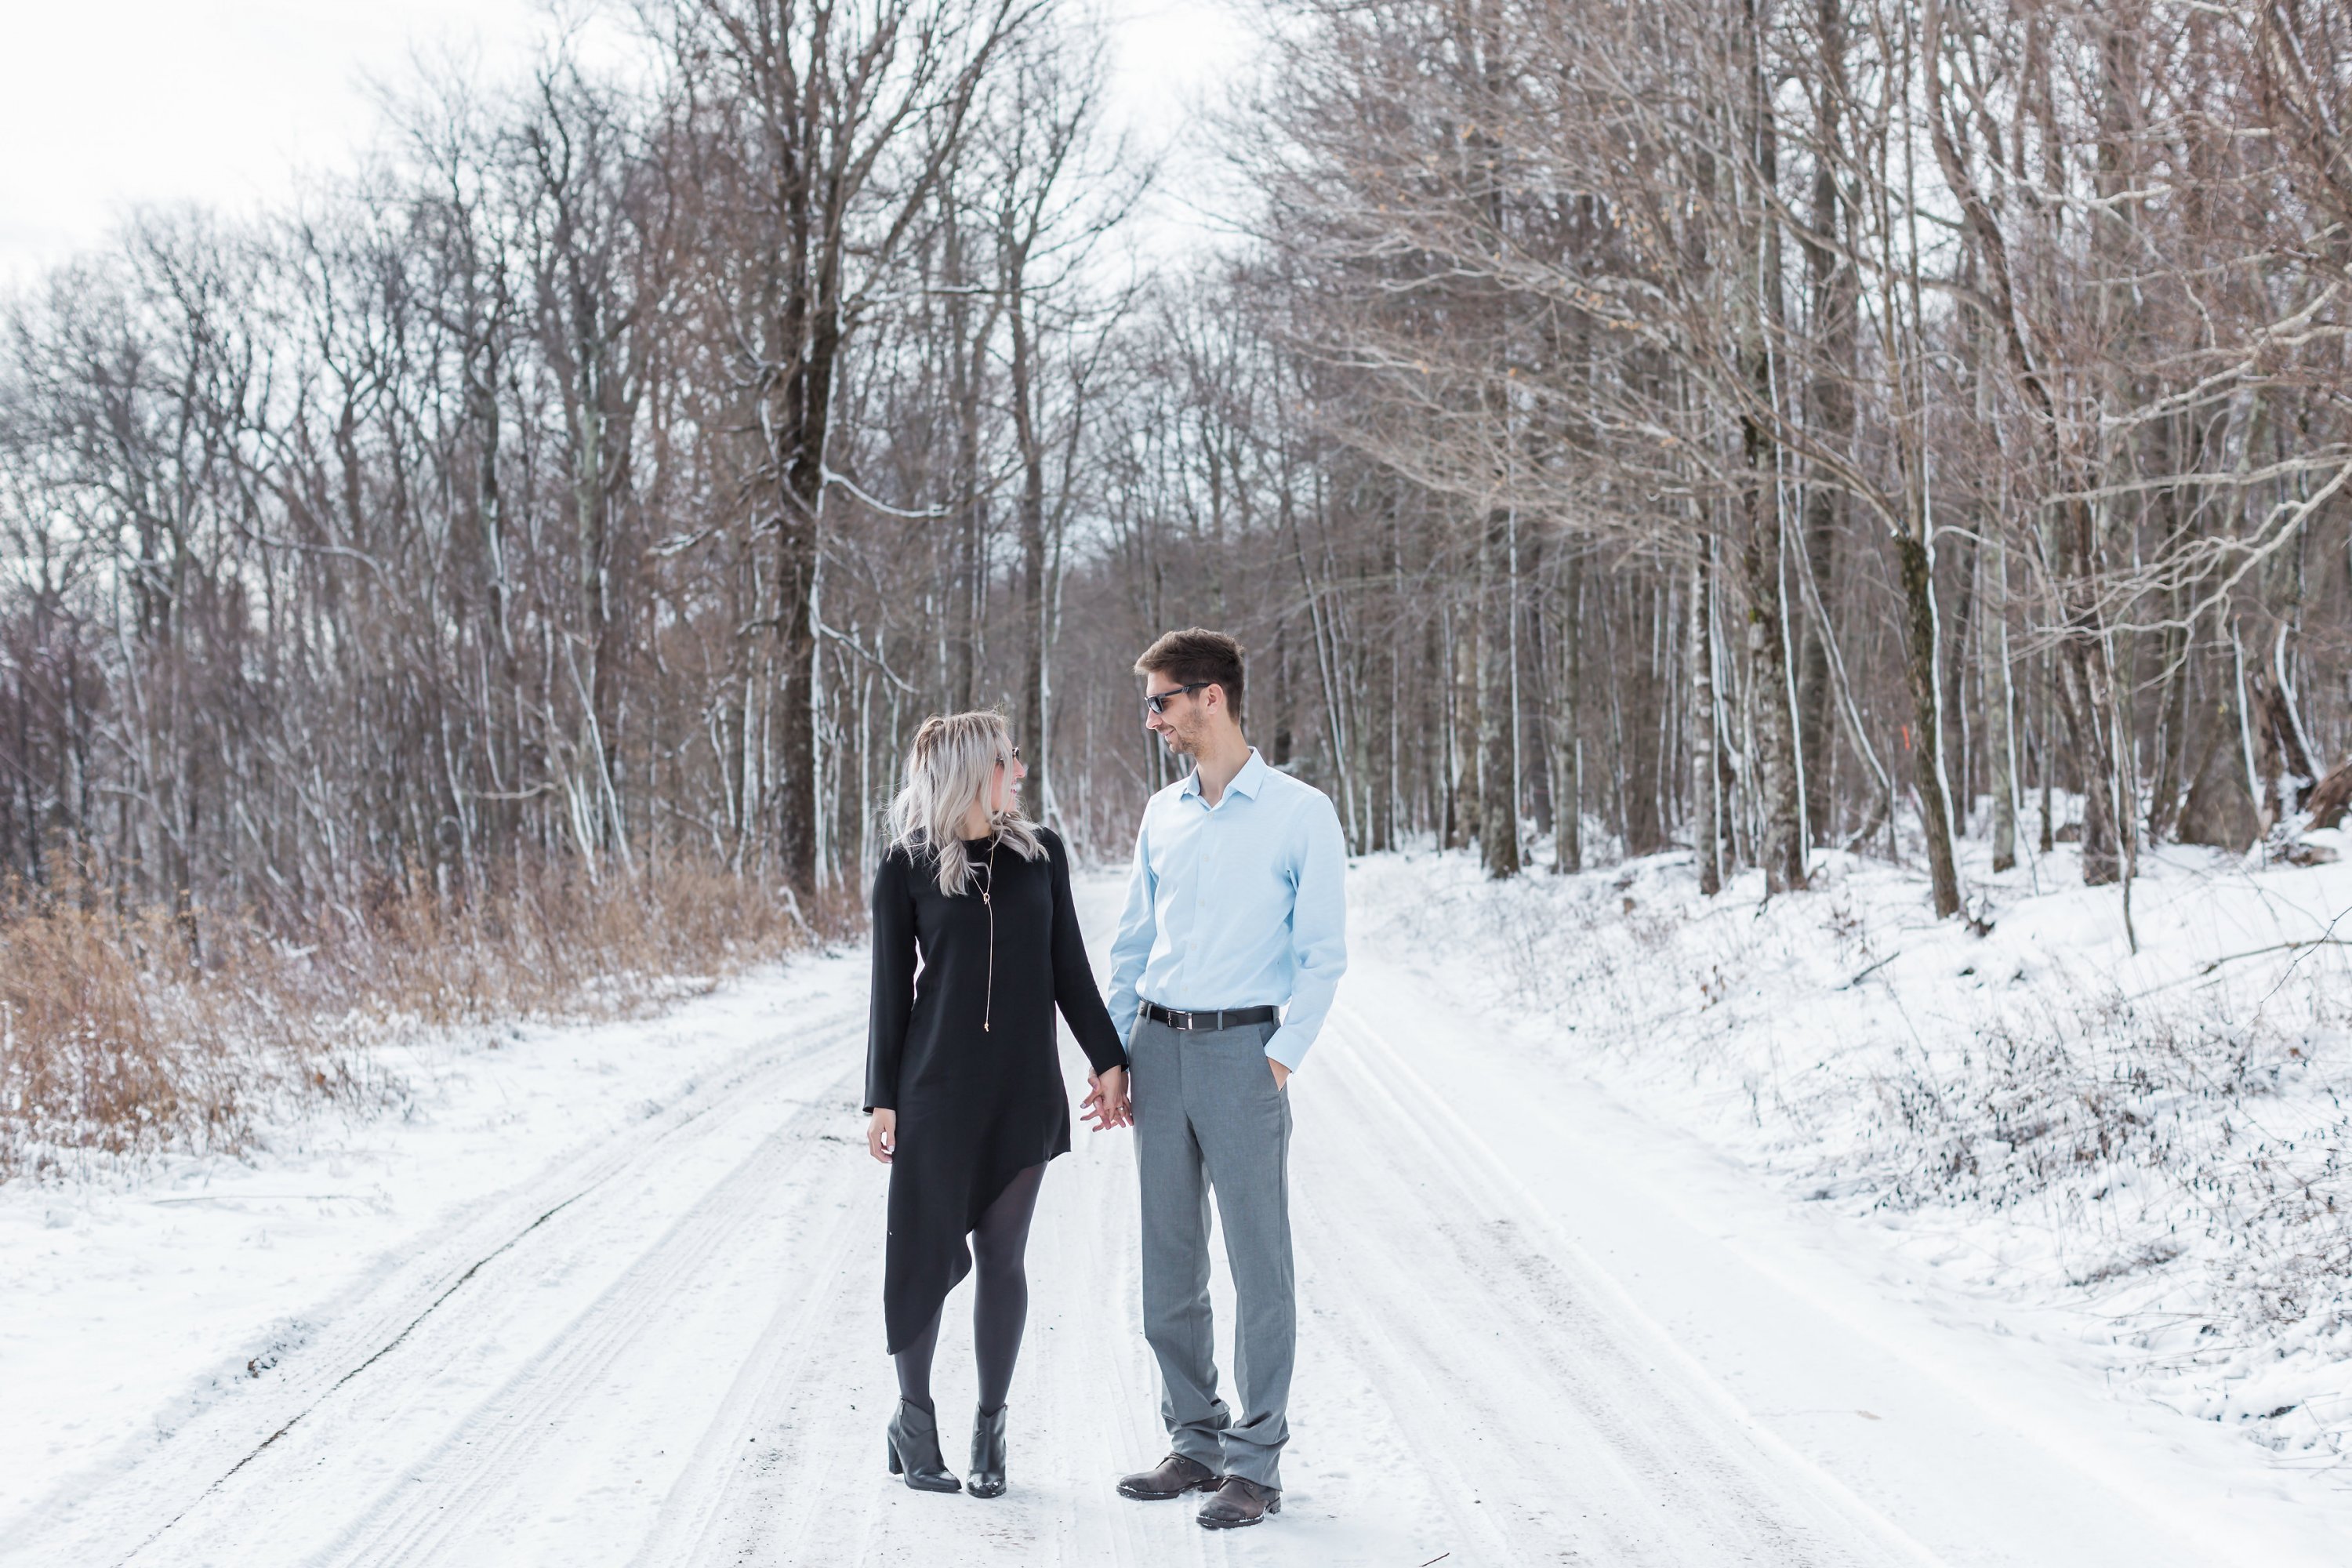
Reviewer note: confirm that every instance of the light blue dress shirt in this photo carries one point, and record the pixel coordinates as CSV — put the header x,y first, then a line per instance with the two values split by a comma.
x,y
1241,904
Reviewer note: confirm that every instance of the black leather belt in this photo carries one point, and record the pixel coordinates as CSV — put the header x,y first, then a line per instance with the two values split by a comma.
x,y
1229,1018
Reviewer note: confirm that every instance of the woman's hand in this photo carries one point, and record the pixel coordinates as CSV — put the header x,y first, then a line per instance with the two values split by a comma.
x,y
1107,1104
882,1134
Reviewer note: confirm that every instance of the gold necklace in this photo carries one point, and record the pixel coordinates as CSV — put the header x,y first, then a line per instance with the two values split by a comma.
x,y
988,902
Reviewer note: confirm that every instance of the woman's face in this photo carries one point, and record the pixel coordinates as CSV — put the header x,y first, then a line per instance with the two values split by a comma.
x,y
1004,793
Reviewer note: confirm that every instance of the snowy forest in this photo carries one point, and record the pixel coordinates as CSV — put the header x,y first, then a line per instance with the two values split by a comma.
x,y
1750,428
1754,431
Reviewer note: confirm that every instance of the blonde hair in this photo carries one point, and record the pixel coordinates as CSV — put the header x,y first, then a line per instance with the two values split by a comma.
x,y
953,764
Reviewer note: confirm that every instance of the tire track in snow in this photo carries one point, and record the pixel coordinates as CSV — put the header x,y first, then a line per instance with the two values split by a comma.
x,y
477,1482
685,1368
139,1517
691,1515
1528,1381
812,1488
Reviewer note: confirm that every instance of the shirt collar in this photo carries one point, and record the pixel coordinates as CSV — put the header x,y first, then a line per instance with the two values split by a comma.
x,y
1246,782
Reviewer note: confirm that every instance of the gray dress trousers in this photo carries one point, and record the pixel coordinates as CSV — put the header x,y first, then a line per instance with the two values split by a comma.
x,y
1208,1118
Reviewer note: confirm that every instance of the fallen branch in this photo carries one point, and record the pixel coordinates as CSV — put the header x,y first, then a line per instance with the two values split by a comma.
x,y
1871,971
2276,947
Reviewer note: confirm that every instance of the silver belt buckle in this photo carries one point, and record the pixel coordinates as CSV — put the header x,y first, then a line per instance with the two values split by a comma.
x,y
1185,1021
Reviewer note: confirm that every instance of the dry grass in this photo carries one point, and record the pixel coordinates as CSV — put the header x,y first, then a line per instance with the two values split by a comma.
x,y
126,1033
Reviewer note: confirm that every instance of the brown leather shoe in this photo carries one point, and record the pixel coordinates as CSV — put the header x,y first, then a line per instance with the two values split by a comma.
x,y
1239,1503
1173,1477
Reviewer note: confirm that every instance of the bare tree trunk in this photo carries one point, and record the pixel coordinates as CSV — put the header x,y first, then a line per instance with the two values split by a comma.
x,y
1952,670
1781,848
970,337
2083,694
1916,573
2001,743
1498,806
1031,521
1567,730
1833,289
1707,798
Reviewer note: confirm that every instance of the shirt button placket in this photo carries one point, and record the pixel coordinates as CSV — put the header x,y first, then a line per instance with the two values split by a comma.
x,y
1194,874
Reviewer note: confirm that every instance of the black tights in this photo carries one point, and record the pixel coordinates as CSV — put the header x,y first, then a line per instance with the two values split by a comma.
x,y
1000,1300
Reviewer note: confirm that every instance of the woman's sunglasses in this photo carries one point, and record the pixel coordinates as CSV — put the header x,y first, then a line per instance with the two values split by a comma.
x,y
1158,700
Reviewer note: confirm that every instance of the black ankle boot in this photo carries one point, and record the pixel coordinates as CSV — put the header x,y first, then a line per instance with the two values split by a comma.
x,y
914,1441
988,1453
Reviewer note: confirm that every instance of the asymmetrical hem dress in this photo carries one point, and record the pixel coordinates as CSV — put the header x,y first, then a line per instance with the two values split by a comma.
x,y
962,1046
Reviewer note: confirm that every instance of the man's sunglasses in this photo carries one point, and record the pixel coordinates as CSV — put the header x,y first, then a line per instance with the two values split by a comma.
x,y
1158,700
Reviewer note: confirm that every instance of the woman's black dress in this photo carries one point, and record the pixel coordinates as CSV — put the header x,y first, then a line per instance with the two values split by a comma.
x,y
976,1106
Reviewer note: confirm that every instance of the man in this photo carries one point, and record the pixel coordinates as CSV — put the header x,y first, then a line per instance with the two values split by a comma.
x,y
1235,908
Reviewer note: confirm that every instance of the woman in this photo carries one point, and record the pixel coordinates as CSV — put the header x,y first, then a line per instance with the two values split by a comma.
x,y
963,1080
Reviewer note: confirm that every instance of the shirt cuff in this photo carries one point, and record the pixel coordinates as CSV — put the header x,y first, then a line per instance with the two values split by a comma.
x,y
1288,1047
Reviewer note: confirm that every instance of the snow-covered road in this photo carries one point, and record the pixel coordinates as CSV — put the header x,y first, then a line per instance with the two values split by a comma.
x,y
1534,1330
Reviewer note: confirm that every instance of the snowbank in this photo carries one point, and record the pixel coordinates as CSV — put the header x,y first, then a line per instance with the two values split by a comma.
x,y
2148,1147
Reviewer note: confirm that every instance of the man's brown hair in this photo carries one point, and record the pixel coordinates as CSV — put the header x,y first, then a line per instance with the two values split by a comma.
x,y
1197,655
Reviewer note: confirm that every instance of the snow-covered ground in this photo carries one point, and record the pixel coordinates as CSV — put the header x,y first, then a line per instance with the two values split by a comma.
x,y
2139,1158
609,1295
180,1300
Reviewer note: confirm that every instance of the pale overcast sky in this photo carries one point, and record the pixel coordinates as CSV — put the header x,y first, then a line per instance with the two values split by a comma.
x,y
108,103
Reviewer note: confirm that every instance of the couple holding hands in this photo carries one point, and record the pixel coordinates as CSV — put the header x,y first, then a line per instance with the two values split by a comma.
x,y
1234,909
